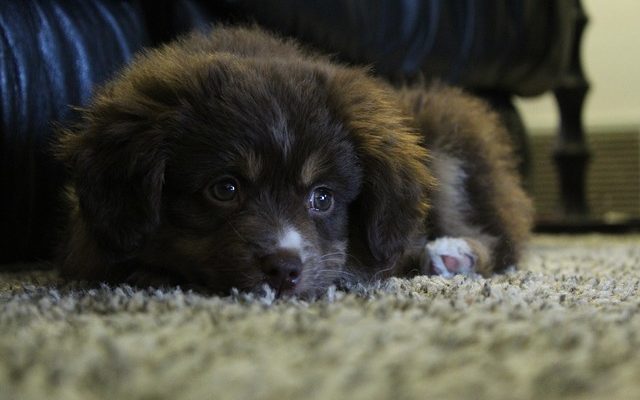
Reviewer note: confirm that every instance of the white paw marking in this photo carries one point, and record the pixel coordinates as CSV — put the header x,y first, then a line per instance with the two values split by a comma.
x,y
448,257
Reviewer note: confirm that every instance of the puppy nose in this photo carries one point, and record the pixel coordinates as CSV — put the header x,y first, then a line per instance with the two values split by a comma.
x,y
282,269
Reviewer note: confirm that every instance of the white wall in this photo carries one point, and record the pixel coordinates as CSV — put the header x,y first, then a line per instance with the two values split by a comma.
x,y
611,61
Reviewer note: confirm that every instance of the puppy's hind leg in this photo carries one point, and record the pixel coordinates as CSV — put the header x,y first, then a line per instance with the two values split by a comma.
x,y
457,246
479,198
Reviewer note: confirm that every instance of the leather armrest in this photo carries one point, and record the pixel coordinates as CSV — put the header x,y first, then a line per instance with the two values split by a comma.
x,y
52,53
518,46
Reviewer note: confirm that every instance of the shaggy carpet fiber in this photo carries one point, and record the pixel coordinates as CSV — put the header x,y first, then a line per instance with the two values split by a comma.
x,y
566,325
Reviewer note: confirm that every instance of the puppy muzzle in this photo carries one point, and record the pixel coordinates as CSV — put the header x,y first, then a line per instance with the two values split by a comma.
x,y
282,270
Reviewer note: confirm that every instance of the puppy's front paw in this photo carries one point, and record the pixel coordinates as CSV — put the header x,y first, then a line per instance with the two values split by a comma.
x,y
451,256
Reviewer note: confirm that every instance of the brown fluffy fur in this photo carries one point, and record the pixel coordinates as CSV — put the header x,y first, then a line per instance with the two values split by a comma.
x,y
406,167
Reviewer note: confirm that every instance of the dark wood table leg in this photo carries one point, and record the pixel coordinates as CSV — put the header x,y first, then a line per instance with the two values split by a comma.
x,y
571,153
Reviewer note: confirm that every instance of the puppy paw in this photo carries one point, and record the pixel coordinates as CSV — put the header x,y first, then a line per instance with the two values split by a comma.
x,y
452,256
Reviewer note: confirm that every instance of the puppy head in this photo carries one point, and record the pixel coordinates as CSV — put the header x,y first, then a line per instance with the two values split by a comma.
x,y
235,172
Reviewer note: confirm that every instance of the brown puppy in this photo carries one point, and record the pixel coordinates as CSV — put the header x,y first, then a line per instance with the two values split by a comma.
x,y
237,159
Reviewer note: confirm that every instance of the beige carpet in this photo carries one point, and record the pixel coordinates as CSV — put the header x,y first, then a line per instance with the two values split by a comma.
x,y
566,325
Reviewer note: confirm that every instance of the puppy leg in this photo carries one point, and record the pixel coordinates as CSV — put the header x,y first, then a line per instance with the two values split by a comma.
x,y
478,199
458,245
448,256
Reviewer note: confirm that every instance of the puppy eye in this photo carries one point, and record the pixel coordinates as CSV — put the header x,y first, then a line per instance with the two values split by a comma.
x,y
224,190
321,199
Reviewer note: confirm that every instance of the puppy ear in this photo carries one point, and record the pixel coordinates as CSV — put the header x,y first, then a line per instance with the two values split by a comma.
x,y
393,201
116,161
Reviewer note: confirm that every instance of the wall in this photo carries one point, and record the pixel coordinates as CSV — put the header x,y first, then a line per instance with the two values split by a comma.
x,y
611,60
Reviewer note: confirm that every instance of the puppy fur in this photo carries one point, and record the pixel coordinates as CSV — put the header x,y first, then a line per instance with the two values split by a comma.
x,y
218,159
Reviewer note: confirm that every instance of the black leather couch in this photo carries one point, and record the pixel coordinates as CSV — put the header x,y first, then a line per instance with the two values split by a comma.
x,y
53,53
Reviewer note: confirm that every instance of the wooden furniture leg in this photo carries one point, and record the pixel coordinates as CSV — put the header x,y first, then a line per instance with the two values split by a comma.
x,y
571,153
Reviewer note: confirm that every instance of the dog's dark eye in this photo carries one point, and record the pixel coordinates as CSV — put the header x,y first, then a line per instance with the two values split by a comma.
x,y
321,199
224,190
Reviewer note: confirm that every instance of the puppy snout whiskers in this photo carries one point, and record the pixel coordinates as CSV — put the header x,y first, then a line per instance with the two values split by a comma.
x,y
282,270
233,228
